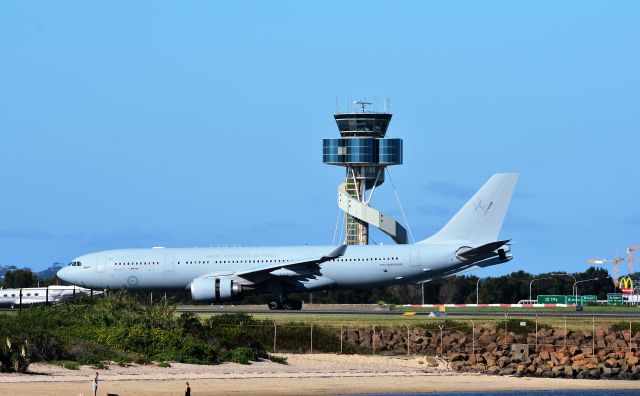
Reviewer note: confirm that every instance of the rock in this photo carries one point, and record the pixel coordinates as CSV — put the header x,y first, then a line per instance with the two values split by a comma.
x,y
632,360
611,363
594,373
457,365
493,370
578,357
569,372
503,361
606,372
507,371
547,374
544,355
582,375
431,361
521,368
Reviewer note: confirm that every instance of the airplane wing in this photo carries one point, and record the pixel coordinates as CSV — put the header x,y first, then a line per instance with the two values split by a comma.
x,y
290,269
294,268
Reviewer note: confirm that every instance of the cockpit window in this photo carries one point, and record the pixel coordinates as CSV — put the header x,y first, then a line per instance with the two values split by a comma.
x,y
75,264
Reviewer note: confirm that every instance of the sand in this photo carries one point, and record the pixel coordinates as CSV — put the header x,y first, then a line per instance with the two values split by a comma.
x,y
312,374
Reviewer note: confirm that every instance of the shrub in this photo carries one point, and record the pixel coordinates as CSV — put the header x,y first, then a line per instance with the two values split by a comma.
x,y
71,365
243,355
278,359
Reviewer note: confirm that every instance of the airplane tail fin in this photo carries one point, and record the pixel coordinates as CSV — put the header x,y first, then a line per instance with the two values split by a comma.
x,y
480,219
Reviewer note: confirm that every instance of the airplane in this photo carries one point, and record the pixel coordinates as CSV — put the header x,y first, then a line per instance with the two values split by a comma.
x,y
39,295
467,242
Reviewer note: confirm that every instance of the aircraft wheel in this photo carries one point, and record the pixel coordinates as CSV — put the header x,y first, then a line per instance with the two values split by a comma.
x,y
274,304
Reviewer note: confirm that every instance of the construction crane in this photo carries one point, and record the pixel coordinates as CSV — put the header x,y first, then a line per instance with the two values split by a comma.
x,y
615,262
630,253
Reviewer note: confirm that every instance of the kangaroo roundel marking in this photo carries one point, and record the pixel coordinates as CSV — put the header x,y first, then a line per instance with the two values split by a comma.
x,y
132,281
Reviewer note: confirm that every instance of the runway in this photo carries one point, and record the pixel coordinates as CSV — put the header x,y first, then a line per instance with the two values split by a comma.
x,y
214,310
458,313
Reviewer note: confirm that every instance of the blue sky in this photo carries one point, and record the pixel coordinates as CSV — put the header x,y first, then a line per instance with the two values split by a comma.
x,y
135,124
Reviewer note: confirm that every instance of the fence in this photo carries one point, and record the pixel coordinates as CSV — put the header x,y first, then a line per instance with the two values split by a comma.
x,y
442,337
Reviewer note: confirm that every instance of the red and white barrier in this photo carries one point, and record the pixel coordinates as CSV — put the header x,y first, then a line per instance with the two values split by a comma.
x,y
489,305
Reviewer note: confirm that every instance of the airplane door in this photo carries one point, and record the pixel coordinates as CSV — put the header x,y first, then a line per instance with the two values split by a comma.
x,y
101,263
415,258
168,264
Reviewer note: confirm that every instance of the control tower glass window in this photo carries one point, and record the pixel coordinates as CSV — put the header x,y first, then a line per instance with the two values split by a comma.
x,y
390,151
362,150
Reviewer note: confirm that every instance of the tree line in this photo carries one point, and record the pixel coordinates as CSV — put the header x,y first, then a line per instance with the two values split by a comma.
x,y
509,288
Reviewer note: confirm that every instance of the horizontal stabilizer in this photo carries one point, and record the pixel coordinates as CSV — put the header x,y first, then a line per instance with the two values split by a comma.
x,y
485,250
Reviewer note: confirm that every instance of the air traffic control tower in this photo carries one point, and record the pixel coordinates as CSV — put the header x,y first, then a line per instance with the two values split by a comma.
x,y
365,153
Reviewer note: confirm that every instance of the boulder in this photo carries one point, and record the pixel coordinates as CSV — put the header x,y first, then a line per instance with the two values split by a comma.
x,y
431,361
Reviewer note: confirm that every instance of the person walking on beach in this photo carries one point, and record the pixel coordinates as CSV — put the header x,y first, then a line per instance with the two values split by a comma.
x,y
94,386
187,391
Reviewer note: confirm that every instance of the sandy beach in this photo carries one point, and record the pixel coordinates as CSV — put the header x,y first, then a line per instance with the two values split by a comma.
x,y
312,374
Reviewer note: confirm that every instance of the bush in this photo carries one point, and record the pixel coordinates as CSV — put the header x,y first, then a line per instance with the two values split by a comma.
x,y
71,365
243,355
278,359
125,328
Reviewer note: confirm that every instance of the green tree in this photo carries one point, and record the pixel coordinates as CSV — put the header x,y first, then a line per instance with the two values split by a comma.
x,y
20,278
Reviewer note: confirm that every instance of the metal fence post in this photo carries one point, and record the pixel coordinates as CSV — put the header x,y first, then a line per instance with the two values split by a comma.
x,y
441,342
593,341
473,338
536,333
373,341
629,335
565,331
341,337
506,330
408,342
311,344
275,335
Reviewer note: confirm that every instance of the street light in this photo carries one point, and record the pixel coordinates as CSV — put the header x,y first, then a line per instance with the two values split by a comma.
x,y
574,279
531,283
575,285
477,289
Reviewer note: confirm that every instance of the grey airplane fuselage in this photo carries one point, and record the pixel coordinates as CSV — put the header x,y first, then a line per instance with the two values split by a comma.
x,y
175,269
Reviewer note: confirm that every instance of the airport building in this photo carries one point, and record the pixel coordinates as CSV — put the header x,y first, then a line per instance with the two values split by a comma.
x,y
364,151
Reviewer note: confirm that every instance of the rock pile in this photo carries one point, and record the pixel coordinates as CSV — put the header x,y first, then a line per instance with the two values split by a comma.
x,y
547,353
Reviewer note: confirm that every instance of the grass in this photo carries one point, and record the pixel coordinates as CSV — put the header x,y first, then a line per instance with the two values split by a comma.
x,y
352,321
587,308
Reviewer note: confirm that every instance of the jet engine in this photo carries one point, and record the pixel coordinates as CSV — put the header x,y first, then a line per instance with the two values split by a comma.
x,y
215,289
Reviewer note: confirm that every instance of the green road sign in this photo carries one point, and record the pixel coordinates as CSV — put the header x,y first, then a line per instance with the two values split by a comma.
x,y
573,299
614,298
552,299
581,299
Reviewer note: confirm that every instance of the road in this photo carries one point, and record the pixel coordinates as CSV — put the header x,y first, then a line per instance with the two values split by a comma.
x,y
215,310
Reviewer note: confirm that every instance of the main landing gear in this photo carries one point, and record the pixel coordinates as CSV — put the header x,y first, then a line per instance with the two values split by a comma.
x,y
287,304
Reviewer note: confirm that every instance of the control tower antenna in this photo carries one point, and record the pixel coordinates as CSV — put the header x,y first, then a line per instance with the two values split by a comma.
x,y
365,153
362,103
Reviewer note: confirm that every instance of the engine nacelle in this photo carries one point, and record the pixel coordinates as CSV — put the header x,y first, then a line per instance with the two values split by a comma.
x,y
215,289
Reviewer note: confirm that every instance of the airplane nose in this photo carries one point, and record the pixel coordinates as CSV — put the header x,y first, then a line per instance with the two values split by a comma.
x,y
63,274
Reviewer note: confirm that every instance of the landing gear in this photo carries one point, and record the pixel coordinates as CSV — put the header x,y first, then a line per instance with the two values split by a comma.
x,y
293,305
290,305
